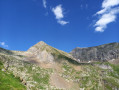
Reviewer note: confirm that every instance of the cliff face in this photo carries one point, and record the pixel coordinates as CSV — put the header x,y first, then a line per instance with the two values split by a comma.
x,y
97,53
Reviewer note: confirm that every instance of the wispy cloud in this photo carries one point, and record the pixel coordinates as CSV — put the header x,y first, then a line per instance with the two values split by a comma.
x,y
58,12
62,22
3,44
44,4
108,14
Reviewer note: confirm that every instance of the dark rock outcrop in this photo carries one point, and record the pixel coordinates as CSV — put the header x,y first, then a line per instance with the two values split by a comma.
x,y
98,53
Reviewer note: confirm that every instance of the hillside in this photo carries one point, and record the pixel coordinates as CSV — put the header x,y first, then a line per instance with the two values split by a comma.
x,y
43,67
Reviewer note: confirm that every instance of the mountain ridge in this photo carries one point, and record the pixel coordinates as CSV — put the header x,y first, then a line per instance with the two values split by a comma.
x,y
97,45
102,52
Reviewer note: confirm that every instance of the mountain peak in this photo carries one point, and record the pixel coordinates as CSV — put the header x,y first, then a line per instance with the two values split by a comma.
x,y
39,46
44,52
41,43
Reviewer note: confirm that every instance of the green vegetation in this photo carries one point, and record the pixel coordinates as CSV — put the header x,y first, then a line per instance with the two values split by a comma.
x,y
115,68
68,71
33,76
111,81
8,81
39,76
92,77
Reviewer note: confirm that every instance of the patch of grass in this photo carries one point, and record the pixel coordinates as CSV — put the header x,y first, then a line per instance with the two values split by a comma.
x,y
115,72
44,79
38,76
111,82
9,82
108,87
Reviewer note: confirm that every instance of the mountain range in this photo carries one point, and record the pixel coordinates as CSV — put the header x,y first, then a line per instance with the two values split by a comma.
x,y
43,67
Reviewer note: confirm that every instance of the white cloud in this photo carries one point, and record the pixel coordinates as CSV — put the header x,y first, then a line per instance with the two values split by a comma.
x,y
100,29
109,3
44,4
62,22
102,11
58,12
3,44
108,14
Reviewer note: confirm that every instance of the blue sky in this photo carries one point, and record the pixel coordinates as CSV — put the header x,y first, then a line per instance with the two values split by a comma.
x,y
63,24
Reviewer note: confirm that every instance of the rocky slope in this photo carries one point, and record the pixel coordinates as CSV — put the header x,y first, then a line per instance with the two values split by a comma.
x,y
98,53
43,67
46,53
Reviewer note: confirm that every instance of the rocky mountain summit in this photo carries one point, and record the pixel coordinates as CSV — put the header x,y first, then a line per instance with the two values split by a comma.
x,y
43,67
46,53
98,53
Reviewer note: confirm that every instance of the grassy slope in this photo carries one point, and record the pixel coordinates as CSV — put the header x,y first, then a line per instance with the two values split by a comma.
x,y
93,77
34,76
8,81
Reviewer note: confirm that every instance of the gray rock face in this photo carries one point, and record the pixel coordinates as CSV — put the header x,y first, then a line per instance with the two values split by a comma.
x,y
103,52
